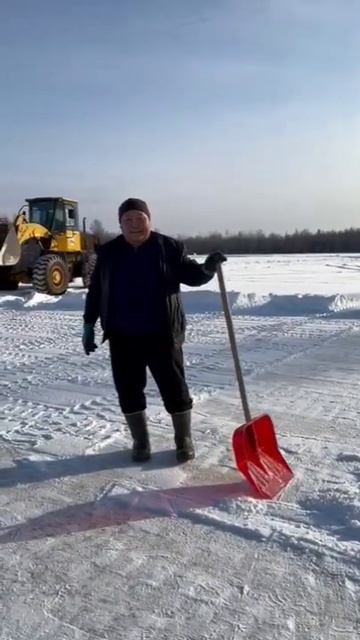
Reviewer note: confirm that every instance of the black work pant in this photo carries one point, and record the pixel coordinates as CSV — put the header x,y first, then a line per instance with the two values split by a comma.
x,y
130,357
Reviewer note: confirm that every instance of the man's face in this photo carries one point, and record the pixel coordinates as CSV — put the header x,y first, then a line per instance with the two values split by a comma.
x,y
135,226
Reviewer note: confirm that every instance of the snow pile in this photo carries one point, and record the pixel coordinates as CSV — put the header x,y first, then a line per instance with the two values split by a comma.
x,y
26,299
204,301
345,303
272,305
257,285
296,305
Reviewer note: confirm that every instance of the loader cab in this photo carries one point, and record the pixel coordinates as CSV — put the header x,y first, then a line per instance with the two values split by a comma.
x,y
57,215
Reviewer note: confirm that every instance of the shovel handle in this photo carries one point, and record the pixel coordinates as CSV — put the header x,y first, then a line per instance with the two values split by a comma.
x,y
232,340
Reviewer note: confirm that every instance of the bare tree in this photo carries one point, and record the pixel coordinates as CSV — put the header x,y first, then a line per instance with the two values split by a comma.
x,y
98,229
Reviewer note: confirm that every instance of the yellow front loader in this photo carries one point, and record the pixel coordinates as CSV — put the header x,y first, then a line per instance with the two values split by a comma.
x,y
46,247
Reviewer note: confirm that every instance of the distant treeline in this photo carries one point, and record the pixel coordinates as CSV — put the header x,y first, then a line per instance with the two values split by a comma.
x,y
347,241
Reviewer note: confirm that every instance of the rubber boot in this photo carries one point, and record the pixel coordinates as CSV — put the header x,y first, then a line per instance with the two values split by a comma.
x,y
137,424
182,428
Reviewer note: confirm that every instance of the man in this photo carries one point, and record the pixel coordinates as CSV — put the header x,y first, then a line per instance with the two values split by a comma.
x,y
135,290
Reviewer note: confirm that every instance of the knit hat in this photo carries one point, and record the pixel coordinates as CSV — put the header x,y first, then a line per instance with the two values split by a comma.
x,y
133,204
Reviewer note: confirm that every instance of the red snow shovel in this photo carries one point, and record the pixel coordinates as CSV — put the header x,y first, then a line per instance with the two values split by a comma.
x,y
256,451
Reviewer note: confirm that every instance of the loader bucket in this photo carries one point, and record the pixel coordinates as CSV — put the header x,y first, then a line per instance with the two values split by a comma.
x,y
258,458
10,249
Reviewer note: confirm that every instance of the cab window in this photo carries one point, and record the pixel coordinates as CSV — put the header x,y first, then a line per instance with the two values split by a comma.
x,y
59,218
70,217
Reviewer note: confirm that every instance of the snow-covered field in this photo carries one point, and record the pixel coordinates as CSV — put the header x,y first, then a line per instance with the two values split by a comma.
x,y
95,547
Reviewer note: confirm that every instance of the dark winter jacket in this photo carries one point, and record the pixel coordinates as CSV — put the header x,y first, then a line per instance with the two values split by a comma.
x,y
136,303
174,268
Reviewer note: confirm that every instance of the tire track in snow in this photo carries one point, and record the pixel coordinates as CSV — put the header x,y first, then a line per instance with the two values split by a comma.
x,y
48,380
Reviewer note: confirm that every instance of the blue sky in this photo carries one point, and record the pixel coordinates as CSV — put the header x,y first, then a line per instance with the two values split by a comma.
x,y
222,114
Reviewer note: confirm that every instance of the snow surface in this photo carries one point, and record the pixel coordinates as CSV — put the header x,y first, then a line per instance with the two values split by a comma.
x,y
93,546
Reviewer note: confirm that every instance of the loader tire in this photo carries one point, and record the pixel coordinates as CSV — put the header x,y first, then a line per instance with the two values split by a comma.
x,y
50,275
88,266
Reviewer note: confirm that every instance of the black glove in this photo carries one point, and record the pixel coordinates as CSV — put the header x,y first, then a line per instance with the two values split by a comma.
x,y
212,261
88,338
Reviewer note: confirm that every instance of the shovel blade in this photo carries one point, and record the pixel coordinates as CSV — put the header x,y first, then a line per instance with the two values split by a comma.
x,y
258,457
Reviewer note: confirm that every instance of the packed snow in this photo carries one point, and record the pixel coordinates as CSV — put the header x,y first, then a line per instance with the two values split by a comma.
x,y
93,546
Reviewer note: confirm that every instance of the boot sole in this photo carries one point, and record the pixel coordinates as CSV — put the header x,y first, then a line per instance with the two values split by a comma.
x,y
182,456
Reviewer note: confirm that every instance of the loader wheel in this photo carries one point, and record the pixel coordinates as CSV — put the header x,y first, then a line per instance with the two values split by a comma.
x,y
50,275
88,266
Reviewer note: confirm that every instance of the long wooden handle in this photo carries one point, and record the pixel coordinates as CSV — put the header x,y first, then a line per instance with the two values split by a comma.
x,y
230,328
